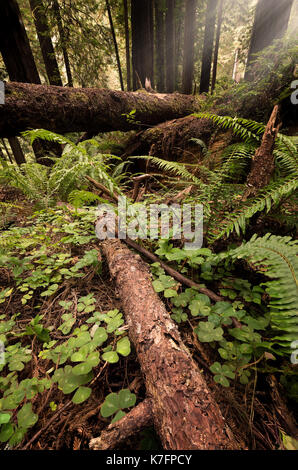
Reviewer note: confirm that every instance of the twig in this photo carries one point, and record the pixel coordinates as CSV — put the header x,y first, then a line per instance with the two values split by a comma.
x,y
55,416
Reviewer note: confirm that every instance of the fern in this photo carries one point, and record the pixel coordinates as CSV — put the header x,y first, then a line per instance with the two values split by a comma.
x,y
46,185
178,169
271,196
276,257
248,130
251,131
78,198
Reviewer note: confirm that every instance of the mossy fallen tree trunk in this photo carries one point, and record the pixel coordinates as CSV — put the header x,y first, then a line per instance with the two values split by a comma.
x,y
185,414
62,109
172,140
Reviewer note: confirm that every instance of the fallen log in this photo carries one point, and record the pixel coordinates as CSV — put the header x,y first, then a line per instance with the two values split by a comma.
x,y
185,414
64,109
131,424
172,140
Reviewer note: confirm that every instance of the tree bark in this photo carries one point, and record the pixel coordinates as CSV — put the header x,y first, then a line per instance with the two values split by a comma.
x,y
142,42
172,140
263,161
18,58
127,46
63,40
16,150
45,41
270,23
208,45
14,45
131,424
185,415
188,54
160,46
170,46
216,48
115,44
62,109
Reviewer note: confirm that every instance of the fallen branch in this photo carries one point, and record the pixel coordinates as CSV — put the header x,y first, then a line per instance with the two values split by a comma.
x,y
135,421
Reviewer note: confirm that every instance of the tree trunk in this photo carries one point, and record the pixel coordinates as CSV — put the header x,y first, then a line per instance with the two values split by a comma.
x,y
189,38
127,46
270,23
17,56
62,109
45,41
115,44
208,45
16,150
216,48
263,161
170,46
185,415
142,42
179,40
14,44
160,46
7,151
63,40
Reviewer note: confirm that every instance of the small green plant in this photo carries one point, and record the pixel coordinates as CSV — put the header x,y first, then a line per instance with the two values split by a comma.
x,y
115,403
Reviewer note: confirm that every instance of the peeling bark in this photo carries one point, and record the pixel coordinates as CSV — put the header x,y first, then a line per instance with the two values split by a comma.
x,y
62,110
185,415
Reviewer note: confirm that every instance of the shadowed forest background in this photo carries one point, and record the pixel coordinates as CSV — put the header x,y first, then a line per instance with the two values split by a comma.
x,y
142,344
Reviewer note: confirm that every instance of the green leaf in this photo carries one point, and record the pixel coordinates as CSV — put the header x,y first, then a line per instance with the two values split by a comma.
x,y
82,369
168,293
4,418
126,399
82,394
6,432
207,332
100,336
110,405
118,416
26,417
123,346
111,357
158,286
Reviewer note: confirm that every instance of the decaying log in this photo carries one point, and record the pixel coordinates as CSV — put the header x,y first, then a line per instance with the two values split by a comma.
x,y
135,421
185,414
64,109
172,140
263,160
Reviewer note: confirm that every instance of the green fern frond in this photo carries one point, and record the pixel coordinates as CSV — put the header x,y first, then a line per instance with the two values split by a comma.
x,y
78,198
49,136
249,130
277,258
176,168
272,195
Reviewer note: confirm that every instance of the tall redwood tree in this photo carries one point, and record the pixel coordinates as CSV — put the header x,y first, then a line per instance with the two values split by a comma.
x,y
189,39
208,45
270,23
